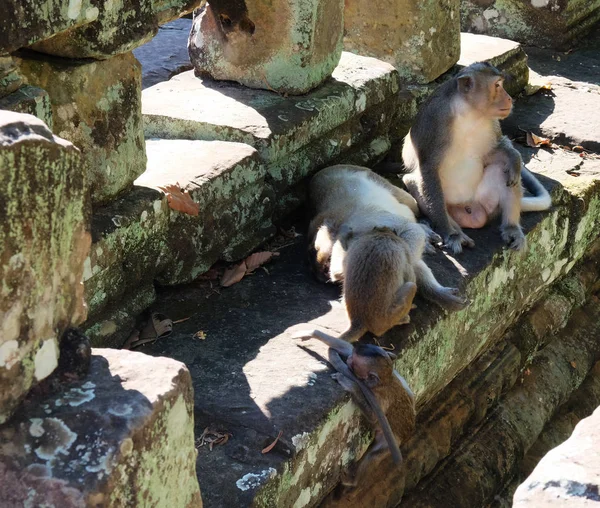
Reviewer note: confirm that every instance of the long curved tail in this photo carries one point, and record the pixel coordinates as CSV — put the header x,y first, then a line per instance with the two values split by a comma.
x,y
540,200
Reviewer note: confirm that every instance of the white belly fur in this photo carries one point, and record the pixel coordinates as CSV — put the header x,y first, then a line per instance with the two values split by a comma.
x,y
462,170
374,196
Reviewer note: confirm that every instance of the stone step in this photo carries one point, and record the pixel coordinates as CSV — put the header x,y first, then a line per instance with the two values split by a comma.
x,y
253,380
120,435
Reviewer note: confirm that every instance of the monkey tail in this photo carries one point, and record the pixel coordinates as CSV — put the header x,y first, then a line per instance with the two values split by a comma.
x,y
541,199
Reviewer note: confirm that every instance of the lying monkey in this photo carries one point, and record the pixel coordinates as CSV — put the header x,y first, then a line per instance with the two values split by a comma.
x,y
380,392
365,235
464,171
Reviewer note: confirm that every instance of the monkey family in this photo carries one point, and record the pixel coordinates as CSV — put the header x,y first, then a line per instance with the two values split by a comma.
x,y
461,173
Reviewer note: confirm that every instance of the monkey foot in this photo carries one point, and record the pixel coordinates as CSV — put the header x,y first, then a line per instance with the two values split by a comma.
x,y
514,237
456,241
433,238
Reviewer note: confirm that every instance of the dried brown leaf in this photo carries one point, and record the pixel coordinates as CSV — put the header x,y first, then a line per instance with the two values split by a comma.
x,y
200,335
535,141
272,445
234,274
182,320
253,261
578,148
180,200
573,364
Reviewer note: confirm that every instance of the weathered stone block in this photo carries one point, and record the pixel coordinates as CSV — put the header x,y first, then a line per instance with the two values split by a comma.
x,y
119,28
188,107
43,244
23,22
10,79
96,106
30,100
568,476
139,238
545,23
287,46
123,436
420,38
501,53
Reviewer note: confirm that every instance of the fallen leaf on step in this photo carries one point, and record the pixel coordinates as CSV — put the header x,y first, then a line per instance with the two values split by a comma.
x,y
200,335
272,445
182,320
578,148
573,364
180,200
253,261
535,141
234,274
212,437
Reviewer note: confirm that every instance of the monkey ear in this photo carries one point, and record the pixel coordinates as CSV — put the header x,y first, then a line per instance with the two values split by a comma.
x,y
465,84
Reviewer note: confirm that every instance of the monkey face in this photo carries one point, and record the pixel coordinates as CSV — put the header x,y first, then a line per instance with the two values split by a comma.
x,y
501,101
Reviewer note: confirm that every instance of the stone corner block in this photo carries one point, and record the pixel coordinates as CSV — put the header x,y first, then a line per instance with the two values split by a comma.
x,y
43,244
569,475
119,28
122,436
286,46
97,106
421,39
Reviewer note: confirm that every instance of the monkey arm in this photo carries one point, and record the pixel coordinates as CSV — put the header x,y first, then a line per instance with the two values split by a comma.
x,y
511,160
341,346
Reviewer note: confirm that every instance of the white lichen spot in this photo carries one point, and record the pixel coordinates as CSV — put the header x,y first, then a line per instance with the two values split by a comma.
x,y
432,30
252,480
157,206
11,322
144,216
75,397
87,269
107,328
361,102
120,409
499,277
303,499
9,354
58,439
36,429
74,9
490,14
89,385
540,3
46,359
300,441
546,274
17,261
91,13
126,447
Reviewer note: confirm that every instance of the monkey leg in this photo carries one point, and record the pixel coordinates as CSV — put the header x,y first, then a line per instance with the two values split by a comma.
x,y
370,460
432,290
510,230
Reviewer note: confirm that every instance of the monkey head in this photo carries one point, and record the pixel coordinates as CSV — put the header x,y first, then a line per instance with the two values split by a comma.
x,y
371,364
481,85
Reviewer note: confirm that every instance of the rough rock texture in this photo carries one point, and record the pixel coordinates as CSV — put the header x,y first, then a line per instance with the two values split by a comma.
x,y
575,94
502,53
31,100
569,475
544,23
43,244
23,22
10,79
287,46
166,54
118,28
419,38
121,437
139,238
96,106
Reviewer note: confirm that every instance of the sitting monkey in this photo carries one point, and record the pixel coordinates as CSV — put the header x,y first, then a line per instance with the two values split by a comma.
x,y
463,170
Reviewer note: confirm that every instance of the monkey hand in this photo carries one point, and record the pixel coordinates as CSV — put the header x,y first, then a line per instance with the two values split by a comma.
x,y
513,174
433,238
514,237
456,240
345,383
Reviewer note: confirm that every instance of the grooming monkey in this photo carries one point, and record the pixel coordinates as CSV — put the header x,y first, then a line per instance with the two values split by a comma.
x,y
365,235
464,171
380,392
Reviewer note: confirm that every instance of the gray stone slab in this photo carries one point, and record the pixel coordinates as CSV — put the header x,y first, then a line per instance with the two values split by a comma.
x,y
107,439
187,107
166,54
